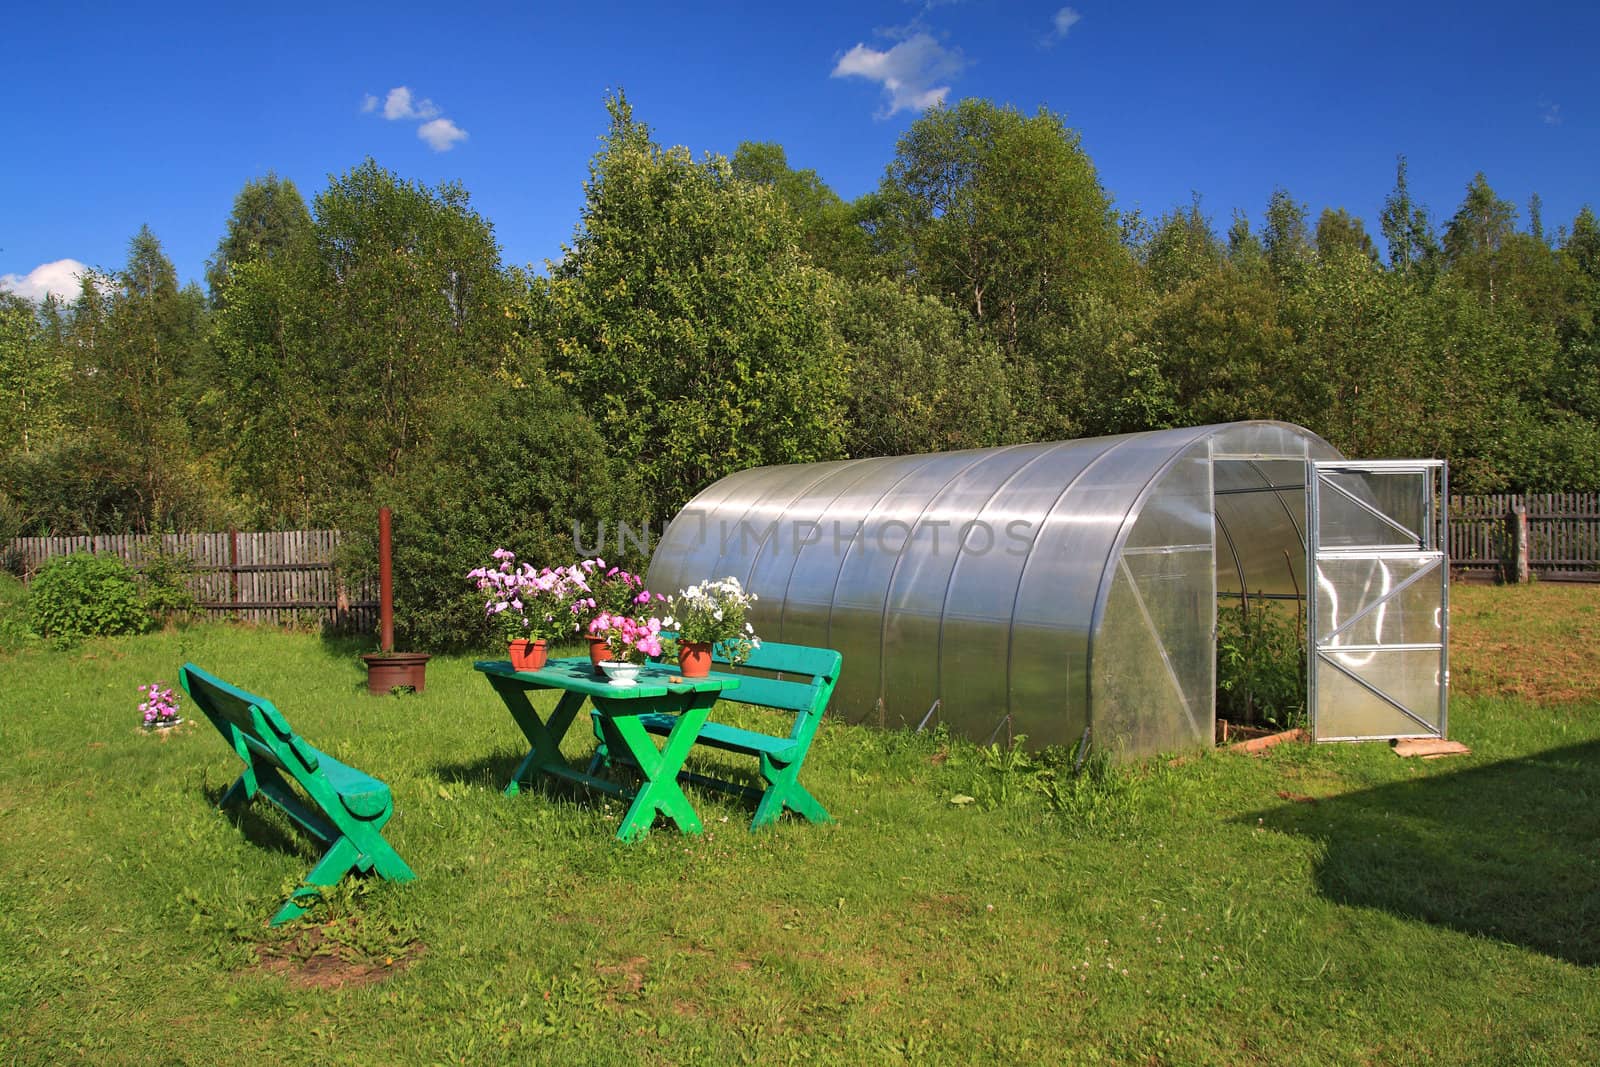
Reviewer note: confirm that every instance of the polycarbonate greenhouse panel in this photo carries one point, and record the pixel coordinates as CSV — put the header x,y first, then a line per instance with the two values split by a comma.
x,y
1032,589
1260,510
1378,605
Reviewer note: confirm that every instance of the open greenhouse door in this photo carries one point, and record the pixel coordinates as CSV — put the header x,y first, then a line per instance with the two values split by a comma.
x,y
1377,605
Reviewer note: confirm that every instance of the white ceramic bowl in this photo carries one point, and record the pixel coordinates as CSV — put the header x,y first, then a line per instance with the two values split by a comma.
x,y
621,674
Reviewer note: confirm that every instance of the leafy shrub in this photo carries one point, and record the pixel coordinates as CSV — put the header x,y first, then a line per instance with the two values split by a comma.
x,y
514,470
84,595
165,578
1261,666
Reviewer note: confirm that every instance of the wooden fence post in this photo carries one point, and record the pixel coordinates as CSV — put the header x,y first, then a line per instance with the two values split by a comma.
x,y
233,564
1515,565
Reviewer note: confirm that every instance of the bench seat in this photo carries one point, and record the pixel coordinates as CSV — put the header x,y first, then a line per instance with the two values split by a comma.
x,y
362,795
347,808
791,680
729,738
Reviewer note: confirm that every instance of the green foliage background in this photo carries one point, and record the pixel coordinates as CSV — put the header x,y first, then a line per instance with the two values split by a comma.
x,y
713,314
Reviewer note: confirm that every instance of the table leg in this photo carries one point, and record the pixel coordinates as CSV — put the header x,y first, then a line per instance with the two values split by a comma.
x,y
660,791
544,738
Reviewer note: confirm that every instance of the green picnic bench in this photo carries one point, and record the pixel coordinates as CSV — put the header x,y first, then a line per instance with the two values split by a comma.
x,y
348,807
795,679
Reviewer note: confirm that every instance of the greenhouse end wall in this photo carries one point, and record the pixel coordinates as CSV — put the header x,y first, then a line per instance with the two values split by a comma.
x,y
1039,589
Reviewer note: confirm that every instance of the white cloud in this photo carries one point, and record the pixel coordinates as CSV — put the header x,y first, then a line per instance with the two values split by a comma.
x,y
441,134
61,278
1061,23
398,105
1550,113
908,71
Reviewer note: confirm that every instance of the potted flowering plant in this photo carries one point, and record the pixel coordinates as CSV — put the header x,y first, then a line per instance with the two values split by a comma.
x,y
628,642
528,608
708,614
596,590
159,707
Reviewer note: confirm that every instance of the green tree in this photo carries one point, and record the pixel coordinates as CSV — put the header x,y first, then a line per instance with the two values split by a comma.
x,y
135,336
1582,245
830,229
1224,351
33,373
1536,219
1406,228
340,352
1338,230
922,378
269,216
689,322
1284,238
1577,383
1476,235
1359,375
278,405
1245,250
1003,216
416,297
1183,247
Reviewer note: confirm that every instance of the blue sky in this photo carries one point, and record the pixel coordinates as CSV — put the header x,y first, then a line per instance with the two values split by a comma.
x,y
121,115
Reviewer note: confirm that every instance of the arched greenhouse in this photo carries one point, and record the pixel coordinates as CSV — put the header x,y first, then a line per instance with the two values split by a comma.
x,y
1073,585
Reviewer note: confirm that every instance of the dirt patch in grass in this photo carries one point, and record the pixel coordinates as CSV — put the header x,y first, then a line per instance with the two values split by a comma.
x,y
1539,642
310,959
625,977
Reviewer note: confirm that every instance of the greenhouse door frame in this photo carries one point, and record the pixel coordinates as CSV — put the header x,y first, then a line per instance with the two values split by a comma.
x,y
1348,532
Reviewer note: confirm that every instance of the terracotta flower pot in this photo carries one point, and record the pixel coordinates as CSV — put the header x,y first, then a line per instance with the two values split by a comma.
x,y
599,651
694,658
388,671
529,655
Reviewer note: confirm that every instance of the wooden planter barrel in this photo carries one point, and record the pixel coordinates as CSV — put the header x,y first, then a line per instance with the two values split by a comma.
x,y
388,671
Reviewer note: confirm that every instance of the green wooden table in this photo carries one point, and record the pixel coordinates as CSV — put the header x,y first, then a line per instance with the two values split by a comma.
x,y
620,707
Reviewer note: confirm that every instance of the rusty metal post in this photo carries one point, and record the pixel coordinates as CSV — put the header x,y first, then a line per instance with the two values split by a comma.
x,y
385,584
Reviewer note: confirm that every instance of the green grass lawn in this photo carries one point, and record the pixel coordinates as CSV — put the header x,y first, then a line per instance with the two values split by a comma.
x,y
1330,904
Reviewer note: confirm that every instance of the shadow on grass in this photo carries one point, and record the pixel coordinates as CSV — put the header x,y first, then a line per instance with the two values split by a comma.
x,y
1507,851
262,825
493,771
346,646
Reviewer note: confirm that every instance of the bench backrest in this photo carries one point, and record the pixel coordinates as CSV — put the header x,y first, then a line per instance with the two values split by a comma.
x,y
250,723
795,678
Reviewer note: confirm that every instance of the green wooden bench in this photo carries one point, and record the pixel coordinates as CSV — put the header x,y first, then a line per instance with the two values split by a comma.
x,y
348,808
794,679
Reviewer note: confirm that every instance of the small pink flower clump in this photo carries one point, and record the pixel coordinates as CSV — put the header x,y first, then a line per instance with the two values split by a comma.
x,y
629,639
521,602
160,704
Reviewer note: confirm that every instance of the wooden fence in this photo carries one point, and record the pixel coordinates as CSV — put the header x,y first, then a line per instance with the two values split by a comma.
x,y
282,577
287,576
1563,534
